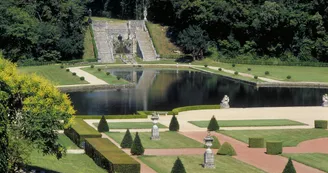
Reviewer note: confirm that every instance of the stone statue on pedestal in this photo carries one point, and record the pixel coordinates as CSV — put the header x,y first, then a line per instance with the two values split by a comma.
x,y
325,100
155,130
208,155
225,102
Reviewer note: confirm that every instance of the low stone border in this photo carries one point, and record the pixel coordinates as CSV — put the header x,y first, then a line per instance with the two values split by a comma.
x,y
88,87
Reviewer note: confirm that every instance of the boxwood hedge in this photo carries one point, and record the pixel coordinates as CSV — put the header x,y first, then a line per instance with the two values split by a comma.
x,y
320,124
197,107
274,147
256,142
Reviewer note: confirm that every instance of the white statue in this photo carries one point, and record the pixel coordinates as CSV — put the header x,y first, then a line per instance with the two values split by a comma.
x,y
145,13
325,100
225,102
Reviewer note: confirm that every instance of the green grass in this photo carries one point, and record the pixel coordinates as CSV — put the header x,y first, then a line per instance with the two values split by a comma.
x,y
229,74
110,79
168,140
109,19
315,160
70,163
226,164
249,123
298,73
290,137
66,142
53,73
131,125
88,46
161,42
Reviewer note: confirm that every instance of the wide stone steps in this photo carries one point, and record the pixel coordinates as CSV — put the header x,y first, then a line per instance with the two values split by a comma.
x,y
145,45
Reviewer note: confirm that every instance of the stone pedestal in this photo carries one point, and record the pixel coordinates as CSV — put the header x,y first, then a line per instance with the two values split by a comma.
x,y
209,159
155,130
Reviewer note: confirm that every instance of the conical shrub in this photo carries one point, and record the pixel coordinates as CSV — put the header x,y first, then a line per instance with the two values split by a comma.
x,y
216,143
137,148
103,125
178,167
127,140
226,149
289,168
213,125
174,124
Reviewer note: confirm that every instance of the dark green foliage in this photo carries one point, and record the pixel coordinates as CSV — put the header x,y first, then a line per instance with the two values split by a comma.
x,y
216,143
256,77
127,140
205,65
81,78
107,73
103,125
256,142
178,167
108,156
213,125
193,40
99,69
226,149
92,66
288,77
266,72
137,148
67,70
74,74
220,69
118,78
233,65
61,66
289,168
174,124
249,69
320,124
274,147
176,111
236,73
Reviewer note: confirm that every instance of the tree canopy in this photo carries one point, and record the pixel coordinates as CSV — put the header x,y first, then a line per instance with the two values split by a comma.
x,y
32,109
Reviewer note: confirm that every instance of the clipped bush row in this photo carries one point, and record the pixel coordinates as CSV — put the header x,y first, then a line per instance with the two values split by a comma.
x,y
264,62
108,156
79,131
256,142
112,116
197,107
274,147
320,124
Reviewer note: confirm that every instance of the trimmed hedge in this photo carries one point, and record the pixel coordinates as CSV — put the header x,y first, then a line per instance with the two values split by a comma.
x,y
256,142
320,124
274,147
280,63
112,116
174,124
226,149
289,168
213,125
137,148
127,140
178,167
196,107
108,156
79,131
103,125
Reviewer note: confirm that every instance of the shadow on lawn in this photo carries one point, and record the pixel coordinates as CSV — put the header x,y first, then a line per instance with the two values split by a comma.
x,y
40,169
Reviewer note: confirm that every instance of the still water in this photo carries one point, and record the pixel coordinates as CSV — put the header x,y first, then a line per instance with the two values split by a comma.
x,y
166,89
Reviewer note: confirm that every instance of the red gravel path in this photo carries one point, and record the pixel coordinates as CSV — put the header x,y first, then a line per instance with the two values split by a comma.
x,y
310,146
255,157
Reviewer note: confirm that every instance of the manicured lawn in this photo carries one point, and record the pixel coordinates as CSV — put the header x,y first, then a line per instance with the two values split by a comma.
x,y
226,164
168,140
110,79
131,125
229,74
315,160
53,73
249,123
313,74
88,46
290,137
112,20
70,163
65,141
161,42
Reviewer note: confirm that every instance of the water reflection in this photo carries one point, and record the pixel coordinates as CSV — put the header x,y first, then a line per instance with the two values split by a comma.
x,y
167,89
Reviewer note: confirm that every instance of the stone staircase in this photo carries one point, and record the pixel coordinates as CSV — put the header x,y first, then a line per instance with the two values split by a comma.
x,y
145,46
103,42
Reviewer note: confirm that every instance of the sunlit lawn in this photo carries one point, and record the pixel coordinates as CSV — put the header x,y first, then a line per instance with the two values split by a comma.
x,y
110,79
249,123
289,137
315,160
131,125
168,140
226,164
65,141
88,46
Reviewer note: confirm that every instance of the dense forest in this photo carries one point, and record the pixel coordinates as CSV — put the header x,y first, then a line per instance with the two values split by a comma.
x,y
291,30
288,30
42,30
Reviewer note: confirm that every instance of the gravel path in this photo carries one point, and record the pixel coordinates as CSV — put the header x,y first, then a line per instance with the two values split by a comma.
x,y
93,80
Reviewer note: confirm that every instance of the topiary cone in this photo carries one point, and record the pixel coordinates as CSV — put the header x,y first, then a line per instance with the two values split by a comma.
x,y
174,124
137,148
213,125
289,168
103,125
178,167
127,140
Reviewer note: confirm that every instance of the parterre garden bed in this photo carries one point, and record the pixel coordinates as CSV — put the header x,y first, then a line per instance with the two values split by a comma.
x,y
168,140
315,160
131,125
226,164
289,137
